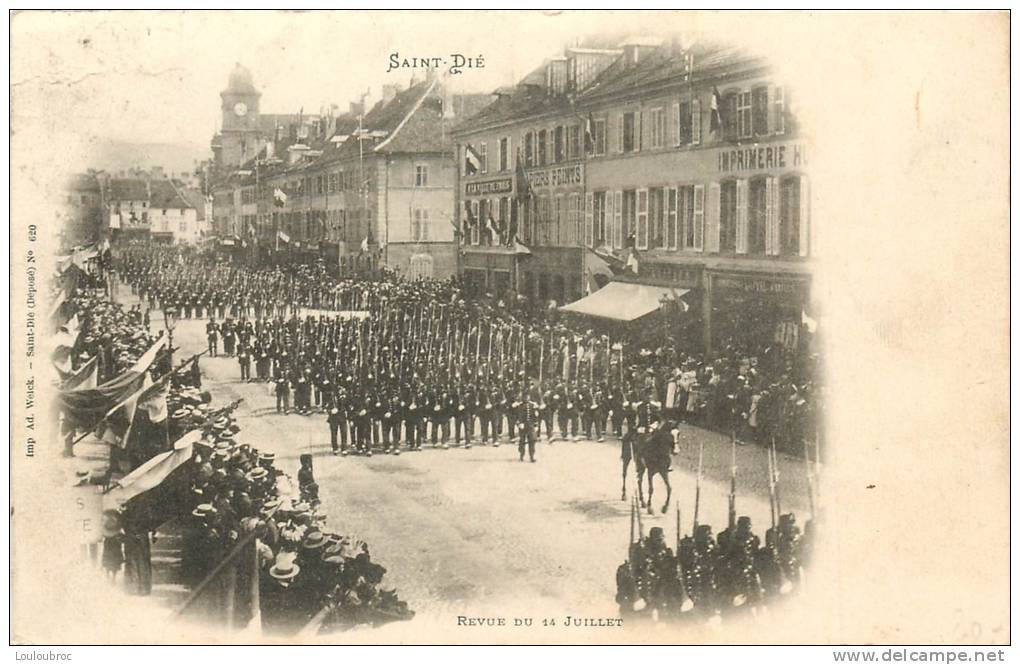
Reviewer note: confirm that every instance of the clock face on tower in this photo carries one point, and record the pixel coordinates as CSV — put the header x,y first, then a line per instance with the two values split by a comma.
x,y
240,109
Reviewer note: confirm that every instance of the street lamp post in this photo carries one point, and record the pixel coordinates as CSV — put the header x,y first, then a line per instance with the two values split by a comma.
x,y
170,321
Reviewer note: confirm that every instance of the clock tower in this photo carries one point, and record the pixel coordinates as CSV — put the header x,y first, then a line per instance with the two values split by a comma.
x,y
238,140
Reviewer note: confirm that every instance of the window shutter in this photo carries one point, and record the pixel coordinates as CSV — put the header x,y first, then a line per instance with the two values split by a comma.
x,y
673,233
639,130
619,132
771,216
712,219
805,217
778,110
676,123
589,233
698,218
641,239
741,240
618,218
695,122
510,153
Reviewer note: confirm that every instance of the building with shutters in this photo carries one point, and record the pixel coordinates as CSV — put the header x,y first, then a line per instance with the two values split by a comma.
x,y
538,124
714,202
324,187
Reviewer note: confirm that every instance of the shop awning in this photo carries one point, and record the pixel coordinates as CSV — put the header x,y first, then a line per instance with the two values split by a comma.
x,y
622,301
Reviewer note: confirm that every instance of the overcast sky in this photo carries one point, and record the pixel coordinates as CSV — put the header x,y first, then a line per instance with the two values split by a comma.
x,y
156,76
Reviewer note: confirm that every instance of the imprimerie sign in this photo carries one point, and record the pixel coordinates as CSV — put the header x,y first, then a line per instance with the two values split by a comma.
x,y
485,187
762,157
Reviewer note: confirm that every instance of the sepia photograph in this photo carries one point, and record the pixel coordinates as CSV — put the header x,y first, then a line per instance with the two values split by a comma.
x,y
509,327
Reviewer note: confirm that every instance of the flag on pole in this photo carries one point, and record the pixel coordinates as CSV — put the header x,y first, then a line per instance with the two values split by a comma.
x,y
472,160
632,261
511,234
85,378
283,236
589,134
117,422
469,219
715,122
521,185
810,323
153,400
150,474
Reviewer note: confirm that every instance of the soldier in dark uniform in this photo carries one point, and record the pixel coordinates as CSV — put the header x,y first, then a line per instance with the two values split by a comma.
x,y
527,424
568,413
376,411
699,557
467,402
592,419
788,547
439,418
647,412
630,402
337,431
486,415
742,582
392,418
282,395
244,361
626,589
229,337
554,405
499,409
262,364
363,425
212,335
657,568
413,405
302,395
545,412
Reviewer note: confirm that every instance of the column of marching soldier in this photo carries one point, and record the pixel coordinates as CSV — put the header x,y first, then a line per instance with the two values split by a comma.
x,y
409,364
423,366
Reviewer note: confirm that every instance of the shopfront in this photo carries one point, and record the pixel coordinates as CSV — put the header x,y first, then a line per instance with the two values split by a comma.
x,y
488,270
753,309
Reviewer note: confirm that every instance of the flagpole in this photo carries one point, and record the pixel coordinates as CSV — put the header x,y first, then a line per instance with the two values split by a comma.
x,y
138,392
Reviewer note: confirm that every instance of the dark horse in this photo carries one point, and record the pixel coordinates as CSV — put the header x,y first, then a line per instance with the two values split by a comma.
x,y
651,452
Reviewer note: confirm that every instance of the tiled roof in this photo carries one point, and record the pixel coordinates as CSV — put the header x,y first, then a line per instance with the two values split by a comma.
x,y
83,182
128,189
526,101
386,118
196,200
166,195
663,66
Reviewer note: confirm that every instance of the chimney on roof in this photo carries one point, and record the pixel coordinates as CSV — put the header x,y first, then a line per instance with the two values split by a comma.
x,y
295,152
636,49
389,92
675,46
